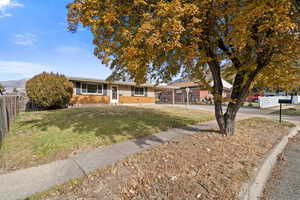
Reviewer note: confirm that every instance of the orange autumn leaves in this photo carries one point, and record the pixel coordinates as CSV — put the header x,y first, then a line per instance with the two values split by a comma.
x,y
163,38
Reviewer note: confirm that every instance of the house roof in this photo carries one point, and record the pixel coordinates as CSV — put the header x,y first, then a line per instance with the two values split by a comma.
x,y
184,83
162,87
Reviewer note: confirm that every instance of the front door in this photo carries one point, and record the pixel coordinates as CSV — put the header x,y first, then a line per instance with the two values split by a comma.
x,y
114,97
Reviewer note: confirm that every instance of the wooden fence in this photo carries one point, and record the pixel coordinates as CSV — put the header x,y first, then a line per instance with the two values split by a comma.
x,y
10,106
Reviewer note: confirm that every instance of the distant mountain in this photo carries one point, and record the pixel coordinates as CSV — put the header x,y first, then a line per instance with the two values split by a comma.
x,y
14,83
10,85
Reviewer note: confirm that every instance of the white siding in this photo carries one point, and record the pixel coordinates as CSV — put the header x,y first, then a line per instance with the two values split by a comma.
x,y
125,90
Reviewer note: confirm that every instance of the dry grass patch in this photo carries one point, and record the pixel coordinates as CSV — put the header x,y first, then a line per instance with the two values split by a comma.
x,y
204,166
293,111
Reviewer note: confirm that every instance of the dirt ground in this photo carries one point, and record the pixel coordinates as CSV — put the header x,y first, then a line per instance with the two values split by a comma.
x,y
204,166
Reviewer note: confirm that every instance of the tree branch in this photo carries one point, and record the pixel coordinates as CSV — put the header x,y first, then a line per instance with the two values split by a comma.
x,y
236,63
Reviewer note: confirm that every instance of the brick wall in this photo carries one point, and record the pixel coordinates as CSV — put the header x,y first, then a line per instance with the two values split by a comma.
x,y
89,99
134,100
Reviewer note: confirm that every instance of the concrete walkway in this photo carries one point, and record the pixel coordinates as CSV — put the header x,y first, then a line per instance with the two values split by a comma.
x,y
23,183
286,185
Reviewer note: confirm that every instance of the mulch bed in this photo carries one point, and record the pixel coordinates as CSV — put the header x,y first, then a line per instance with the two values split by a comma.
x,y
204,166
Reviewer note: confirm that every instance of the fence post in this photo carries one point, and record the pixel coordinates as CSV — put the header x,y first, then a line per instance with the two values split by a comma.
x,y
7,112
9,108
15,106
18,104
3,120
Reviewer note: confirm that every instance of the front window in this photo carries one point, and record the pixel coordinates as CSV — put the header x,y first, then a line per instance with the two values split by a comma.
x,y
78,88
139,91
90,88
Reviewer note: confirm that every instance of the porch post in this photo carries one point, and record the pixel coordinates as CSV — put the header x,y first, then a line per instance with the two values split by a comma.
x,y
173,96
187,95
187,98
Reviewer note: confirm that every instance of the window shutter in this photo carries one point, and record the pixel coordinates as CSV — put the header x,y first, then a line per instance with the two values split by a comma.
x,y
104,89
132,91
146,92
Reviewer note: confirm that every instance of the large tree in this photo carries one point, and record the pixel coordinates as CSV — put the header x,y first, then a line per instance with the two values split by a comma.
x,y
166,37
272,78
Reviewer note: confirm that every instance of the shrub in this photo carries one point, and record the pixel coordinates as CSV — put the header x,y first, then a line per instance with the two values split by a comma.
x,y
2,89
49,90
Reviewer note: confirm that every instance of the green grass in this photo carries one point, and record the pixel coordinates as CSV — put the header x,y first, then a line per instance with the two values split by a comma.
x,y
249,128
260,120
41,137
295,111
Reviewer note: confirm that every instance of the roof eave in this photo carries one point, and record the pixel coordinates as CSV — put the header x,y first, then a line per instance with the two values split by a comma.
x,y
120,83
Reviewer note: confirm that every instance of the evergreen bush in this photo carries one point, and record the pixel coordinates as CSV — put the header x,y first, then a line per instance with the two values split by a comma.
x,y
49,90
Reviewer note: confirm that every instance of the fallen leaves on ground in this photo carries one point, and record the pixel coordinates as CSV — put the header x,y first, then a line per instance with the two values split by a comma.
x,y
204,166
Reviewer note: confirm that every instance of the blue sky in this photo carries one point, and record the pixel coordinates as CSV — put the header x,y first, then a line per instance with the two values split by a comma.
x,y
34,38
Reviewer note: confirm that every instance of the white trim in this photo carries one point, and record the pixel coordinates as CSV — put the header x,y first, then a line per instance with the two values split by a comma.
x,y
114,100
140,95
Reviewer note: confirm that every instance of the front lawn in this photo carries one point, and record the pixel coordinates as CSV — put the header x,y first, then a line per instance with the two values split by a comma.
x,y
41,137
203,166
294,111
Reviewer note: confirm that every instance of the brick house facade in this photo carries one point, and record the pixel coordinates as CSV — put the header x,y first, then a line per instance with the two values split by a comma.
x,y
197,93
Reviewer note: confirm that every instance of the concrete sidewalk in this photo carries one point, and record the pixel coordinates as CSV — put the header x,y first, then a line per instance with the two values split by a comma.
x,y
23,183
284,184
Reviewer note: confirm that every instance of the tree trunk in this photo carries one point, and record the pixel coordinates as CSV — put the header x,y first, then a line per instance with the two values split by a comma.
x,y
229,126
219,116
229,118
226,121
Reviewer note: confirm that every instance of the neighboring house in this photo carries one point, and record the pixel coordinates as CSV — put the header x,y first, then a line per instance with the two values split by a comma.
x,y
196,92
94,91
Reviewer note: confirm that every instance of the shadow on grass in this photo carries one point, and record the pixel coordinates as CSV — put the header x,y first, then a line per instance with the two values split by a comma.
x,y
110,121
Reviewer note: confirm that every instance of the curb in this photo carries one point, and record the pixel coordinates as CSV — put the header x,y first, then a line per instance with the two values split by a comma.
x,y
254,188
